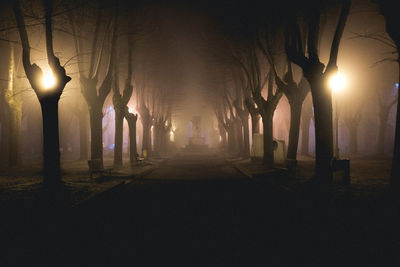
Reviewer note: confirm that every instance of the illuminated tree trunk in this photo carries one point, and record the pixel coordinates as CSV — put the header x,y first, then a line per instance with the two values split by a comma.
x,y
96,132
255,123
11,119
146,145
221,128
232,144
157,138
83,137
132,119
305,128
239,135
15,104
255,116
295,115
165,137
15,157
5,132
222,133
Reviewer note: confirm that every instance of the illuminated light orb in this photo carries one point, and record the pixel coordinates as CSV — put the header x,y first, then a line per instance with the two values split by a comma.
x,y
337,82
48,80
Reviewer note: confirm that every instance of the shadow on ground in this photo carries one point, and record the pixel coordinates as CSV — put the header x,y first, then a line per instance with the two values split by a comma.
x,y
173,217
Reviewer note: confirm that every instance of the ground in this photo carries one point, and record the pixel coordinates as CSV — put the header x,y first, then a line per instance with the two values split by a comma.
x,y
203,210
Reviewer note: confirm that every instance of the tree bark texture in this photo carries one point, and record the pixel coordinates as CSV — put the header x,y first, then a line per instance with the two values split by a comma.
x,y
96,132
132,119
118,136
295,115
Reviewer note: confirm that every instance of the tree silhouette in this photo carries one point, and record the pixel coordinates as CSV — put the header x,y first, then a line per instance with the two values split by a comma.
x,y
48,98
317,74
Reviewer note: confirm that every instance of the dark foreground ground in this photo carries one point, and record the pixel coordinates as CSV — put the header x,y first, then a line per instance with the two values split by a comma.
x,y
200,211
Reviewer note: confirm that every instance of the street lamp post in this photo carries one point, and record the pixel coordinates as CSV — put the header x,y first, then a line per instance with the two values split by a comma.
x,y
337,84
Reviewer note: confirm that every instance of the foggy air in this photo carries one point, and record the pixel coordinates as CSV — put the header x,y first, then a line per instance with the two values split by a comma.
x,y
199,133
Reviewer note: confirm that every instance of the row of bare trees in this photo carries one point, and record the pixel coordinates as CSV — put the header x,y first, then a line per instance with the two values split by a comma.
x,y
111,29
255,61
254,65
256,58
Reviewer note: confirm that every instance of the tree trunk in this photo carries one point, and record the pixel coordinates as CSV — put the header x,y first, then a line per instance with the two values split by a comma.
x,y
383,118
146,145
51,146
119,123
305,135
246,138
16,117
268,158
83,137
11,118
156,139
295,115
15,107
96,133
255,126
222,133
5,134
232,138
306,116
322,100
239,135
132,138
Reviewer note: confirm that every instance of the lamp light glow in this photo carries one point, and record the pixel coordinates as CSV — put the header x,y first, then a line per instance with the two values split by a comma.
x,y
338,82
48,79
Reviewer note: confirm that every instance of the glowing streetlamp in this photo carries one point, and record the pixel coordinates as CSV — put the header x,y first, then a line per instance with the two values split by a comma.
x,y
337,83
48,79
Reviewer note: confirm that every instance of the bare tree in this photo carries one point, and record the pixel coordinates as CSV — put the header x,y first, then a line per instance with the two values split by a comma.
x,y
306,117
94,96
294,92
389,10
11,115
120,103
317,74
142,84
242,112
48,98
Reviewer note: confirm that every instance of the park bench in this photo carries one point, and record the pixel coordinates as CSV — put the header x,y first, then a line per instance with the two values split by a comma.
x,y
139,159
95,166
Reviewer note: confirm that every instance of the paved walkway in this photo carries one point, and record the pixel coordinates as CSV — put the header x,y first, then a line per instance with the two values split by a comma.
x,y
200,211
